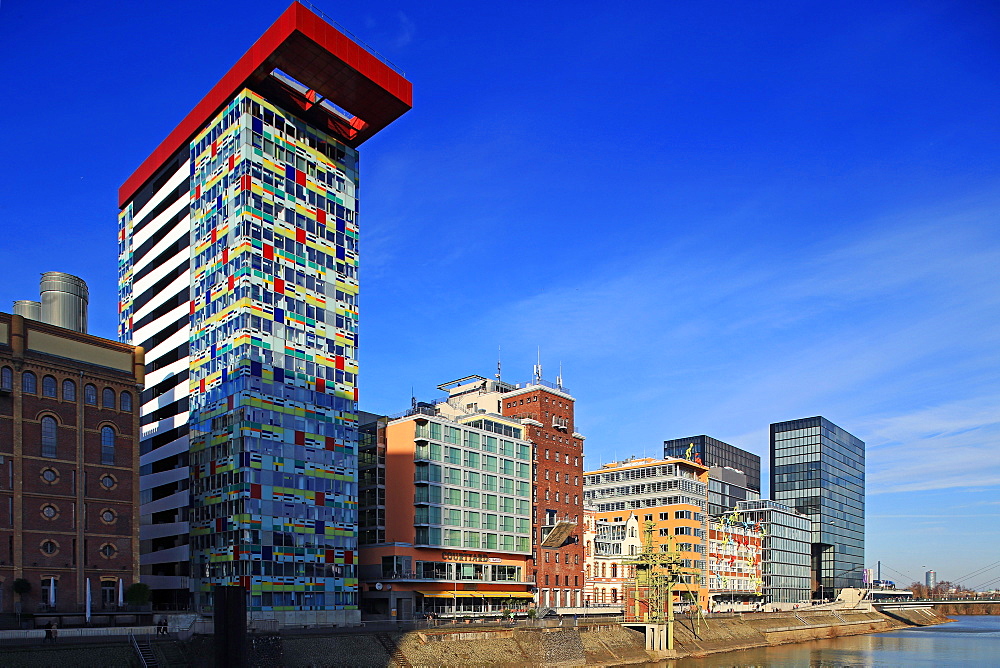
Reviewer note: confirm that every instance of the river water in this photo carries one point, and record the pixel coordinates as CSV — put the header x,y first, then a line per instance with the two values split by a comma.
x,y
972,640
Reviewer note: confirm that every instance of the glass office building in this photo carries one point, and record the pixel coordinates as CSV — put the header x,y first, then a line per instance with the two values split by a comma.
x,y
818,469
714,452
786,549
727,488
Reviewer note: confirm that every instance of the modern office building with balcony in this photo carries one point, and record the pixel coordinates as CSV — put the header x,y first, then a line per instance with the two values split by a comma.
x,y
548,413
238,272
454,536
818,469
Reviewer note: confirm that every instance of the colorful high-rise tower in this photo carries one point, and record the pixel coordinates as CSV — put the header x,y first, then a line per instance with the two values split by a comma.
x,y
238,273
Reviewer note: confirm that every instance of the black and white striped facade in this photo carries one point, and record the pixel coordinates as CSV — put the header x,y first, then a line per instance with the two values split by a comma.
x,y
154,283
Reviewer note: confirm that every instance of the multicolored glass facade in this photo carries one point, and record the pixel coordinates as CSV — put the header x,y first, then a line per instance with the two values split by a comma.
x,y
273,399
238,278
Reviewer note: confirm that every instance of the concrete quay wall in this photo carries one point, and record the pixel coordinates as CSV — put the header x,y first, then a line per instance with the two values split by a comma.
x,y
591,645
608,644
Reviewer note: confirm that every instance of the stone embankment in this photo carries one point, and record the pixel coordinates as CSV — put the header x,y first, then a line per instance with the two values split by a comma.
x,y
722,635
593,645
605,644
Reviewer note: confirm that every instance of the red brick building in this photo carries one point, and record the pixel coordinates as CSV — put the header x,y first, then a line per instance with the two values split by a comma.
x,y
547,411
69,466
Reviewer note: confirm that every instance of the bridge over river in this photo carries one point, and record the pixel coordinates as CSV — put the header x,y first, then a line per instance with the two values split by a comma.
x,y
909,603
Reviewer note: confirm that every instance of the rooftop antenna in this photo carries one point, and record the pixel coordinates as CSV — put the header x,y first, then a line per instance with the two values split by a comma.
x,y
538,367
498,364
413,399
559,377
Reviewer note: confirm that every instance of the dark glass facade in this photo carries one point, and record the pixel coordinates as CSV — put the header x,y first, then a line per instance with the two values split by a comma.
x,y
717,453
818,469
727,488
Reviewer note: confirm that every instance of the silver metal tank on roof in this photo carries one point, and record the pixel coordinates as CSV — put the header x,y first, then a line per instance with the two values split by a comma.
x,y
28,309
64,300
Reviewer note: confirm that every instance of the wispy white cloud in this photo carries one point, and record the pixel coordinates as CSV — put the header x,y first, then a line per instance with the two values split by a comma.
x,y
893,334
939,447
406,31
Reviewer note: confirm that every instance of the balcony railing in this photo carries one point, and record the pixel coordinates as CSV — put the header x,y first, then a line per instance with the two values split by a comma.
x,y
313,8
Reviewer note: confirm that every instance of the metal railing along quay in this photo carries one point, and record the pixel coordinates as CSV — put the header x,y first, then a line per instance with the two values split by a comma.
x,y
21,635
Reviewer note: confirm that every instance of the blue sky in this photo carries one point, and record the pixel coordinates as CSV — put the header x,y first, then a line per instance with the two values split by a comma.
x,y
714,215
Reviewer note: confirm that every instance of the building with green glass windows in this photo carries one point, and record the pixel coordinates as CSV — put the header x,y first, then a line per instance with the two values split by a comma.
x,y
445,514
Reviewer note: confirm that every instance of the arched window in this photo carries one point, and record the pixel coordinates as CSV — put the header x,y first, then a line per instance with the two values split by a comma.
x,y
126,401
108,398
108,446
614,595
614,570
6,378
29,383
90,395
604,570
69,390
49,436
49,387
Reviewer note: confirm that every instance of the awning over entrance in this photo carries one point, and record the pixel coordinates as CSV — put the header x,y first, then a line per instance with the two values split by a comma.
x,y
476,594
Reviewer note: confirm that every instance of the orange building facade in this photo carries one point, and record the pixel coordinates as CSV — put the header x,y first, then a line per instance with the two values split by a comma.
x,y
446,516
667,496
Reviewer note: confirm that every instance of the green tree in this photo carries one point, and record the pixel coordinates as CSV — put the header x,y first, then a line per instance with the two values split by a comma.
x,y
21,586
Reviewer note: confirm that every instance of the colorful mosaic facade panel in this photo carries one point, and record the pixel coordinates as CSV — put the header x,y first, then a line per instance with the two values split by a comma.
x,y
273,362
